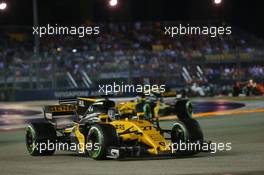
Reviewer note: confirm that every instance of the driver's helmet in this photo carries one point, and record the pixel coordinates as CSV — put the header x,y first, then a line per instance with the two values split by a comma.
x,y
112,113
151,98
101,106
141,98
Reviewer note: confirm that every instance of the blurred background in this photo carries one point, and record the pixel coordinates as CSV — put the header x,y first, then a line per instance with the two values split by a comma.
x,y
131,48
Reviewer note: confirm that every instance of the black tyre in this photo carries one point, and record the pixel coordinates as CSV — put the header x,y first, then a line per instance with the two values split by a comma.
x,y
184,109
194,130
40,134
101,136
179,133
235,91
187,132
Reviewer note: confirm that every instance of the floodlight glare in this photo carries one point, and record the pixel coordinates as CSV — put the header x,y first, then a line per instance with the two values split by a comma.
x,y
113,3
74,50
217,2
3,6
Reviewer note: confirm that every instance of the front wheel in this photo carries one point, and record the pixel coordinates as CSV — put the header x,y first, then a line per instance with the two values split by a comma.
x,y
186,137
100,137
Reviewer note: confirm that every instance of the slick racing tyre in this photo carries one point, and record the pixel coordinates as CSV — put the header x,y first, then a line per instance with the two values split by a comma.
x,y
195,133
179,133
185,133
40,139
100,137
184,109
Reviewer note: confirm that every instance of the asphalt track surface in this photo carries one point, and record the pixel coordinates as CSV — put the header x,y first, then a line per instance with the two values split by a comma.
x,y
245,131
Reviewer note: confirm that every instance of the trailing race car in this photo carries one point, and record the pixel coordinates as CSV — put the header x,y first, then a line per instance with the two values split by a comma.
x,y
103,129
248,88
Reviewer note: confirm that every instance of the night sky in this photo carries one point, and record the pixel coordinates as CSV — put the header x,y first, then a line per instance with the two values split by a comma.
x,y
246,14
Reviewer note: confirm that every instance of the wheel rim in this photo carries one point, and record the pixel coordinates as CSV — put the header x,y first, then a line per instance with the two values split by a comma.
x,y
30,139
179,133
189,108
93,139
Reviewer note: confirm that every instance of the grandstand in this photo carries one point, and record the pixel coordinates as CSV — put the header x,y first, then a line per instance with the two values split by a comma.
x,y
133,53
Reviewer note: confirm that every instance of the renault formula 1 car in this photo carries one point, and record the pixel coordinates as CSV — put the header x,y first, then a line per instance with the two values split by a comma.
x,y
102,129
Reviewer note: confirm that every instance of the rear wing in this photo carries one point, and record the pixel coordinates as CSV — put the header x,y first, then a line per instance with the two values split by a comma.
x,y
68,107
64,109
68,101
51,111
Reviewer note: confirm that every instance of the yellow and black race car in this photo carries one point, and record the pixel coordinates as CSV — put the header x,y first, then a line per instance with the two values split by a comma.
x,y
103,129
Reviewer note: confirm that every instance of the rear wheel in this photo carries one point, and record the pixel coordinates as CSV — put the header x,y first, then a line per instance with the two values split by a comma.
x,y
100,137
184,109
40,139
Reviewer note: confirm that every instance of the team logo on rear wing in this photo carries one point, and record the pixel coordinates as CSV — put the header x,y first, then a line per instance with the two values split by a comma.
x,y
61,108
